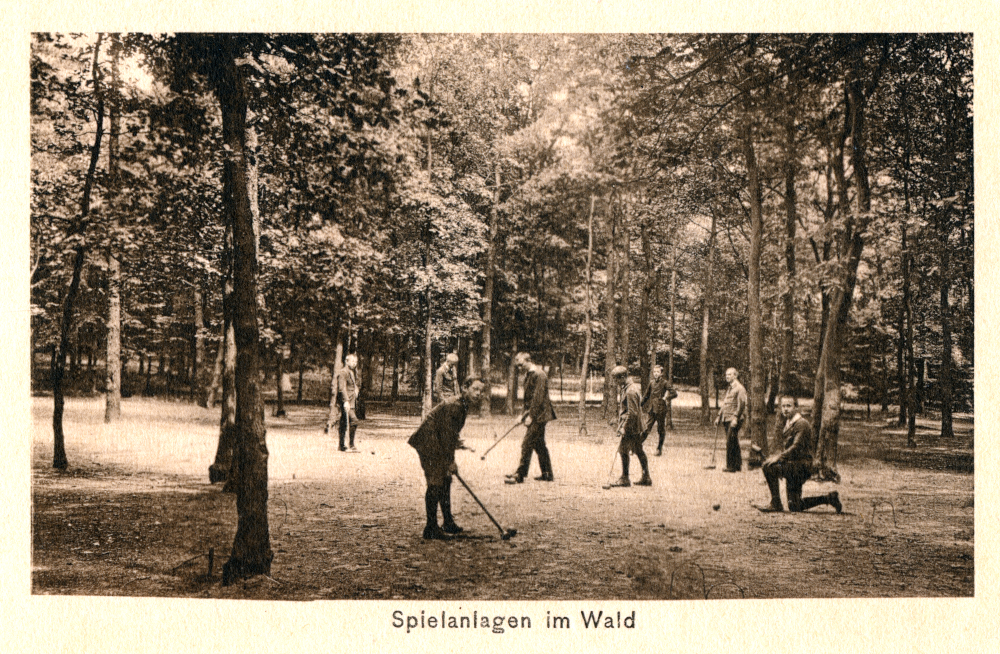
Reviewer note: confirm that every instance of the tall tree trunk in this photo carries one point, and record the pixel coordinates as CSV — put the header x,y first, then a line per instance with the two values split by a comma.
x,y
673,324
214,388
645,337
113,368
428,361
59,459
758,417
491,256
585,364
706,302
302,374
397,352
945,392
279,378
198,351
511,401
333,412
611,307
825,459
251,553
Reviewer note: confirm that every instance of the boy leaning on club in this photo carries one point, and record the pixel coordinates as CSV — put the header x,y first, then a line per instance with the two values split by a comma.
x,y
435,441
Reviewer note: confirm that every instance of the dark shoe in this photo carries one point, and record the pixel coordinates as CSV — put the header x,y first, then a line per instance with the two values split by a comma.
x,y
771,508
622,482
645,481
835,502
659,452
434,533
544,477
342,448
451,528
730,470
514,479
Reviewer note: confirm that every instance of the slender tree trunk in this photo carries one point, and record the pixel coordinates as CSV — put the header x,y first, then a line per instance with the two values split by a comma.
x,y
113,380
251,553
279,377
302,374
585,365
333,413
59,460
198,376
397,352
213,390
644,336
491,256
673,325
704,378
611,301
944,373
510,401
758,417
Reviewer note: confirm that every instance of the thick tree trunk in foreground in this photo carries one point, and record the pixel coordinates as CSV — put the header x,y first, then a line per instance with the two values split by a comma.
x,y
59,460
251,553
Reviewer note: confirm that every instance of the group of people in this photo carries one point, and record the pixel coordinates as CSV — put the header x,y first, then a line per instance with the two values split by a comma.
x,y
438,436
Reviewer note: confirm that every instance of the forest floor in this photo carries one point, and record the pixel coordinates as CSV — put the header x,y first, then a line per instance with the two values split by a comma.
x,y
135,515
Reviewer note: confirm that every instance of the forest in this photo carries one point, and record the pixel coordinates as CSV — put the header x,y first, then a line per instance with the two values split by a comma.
x,y
216,215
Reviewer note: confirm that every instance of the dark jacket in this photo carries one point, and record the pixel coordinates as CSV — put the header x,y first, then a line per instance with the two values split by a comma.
x,y
445,387
632,420
437,437
655,397
347,388
798,441
536,397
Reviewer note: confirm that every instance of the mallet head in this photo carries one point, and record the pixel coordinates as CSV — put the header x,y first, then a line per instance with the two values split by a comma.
x,y
507,534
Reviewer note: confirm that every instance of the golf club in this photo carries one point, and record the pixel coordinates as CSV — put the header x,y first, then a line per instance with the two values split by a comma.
x,y
483,457
611,471
505,534
715,441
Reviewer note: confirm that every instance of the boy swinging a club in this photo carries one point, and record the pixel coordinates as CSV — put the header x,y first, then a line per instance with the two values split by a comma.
x,y
435,441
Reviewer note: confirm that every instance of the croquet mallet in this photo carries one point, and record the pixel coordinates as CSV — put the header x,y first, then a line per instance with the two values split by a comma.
x,y
715,441
505,534
483,457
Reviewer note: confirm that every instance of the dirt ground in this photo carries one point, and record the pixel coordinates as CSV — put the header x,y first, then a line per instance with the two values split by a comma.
x,y
134,515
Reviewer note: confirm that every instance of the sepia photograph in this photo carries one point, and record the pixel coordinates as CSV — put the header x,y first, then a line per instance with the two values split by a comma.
x,y
502,316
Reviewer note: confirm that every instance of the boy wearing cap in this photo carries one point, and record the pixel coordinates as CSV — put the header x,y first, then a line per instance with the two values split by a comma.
x,y
632,427
537,412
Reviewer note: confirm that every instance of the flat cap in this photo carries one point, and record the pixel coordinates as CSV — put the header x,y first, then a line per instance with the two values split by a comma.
x,y
619,371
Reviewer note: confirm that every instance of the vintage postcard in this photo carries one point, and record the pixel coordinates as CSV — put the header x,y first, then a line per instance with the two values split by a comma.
x,y
559,327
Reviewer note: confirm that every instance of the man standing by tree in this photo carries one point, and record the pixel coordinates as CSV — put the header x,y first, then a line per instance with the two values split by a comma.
x,y
794,464
658,393
347,399
537,412
733,412
435,441
446,380
632,426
